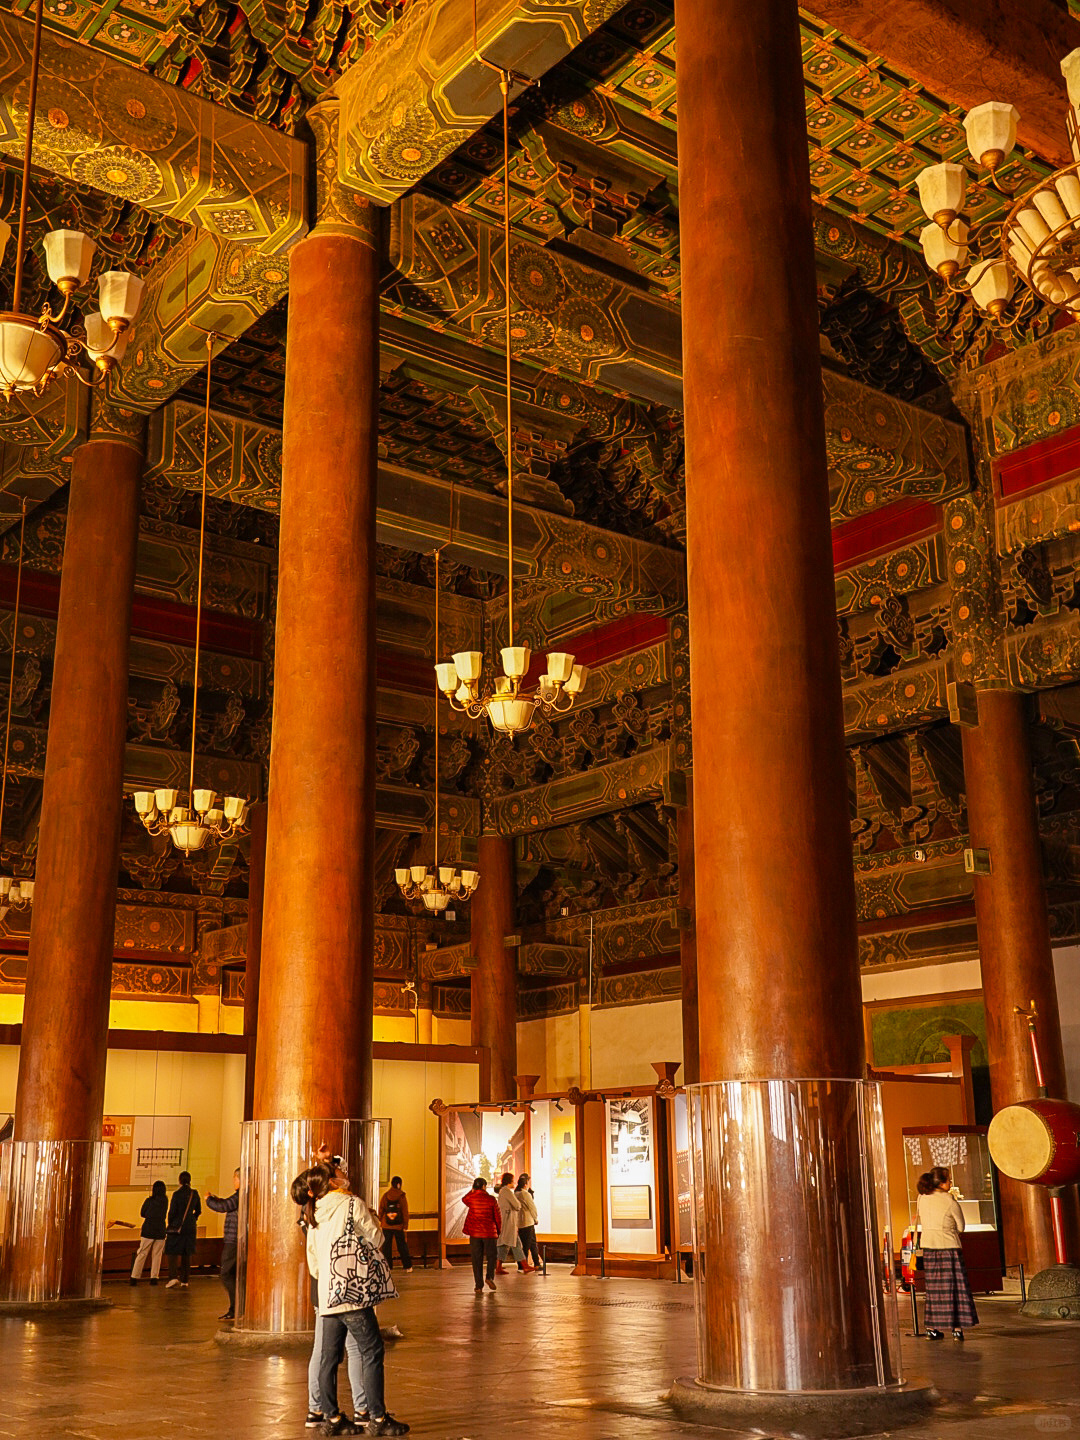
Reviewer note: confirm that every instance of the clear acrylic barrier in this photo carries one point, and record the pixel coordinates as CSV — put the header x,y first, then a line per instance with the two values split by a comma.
x,y
52,1219
794,1286
273,1292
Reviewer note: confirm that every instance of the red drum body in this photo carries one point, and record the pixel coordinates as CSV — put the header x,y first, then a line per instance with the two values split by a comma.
x,y
1037,1141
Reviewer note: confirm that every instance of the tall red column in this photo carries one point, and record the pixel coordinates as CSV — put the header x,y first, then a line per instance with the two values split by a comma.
x,y
1014,948
313,1059
688,938
777,959
494,981
61,1083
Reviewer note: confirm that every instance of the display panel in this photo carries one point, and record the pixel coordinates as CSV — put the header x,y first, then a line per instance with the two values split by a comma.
x,y
145,1148
683,1194
966,1155
554,1167
477,1143
631,1175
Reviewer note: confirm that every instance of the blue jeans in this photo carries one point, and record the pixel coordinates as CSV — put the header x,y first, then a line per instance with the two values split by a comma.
x,y
363,1326
356,1371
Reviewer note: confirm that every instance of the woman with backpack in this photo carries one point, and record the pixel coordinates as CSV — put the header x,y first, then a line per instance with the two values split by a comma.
x,y
185,1207
394,1219
344,1254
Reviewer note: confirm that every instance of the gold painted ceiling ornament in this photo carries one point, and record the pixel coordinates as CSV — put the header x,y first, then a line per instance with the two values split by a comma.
x,y
192,825
509,708
15,894
36,351
1040,236
442,885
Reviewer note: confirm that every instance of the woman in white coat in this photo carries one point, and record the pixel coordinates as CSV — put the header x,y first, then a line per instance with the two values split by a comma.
x,y
527,1223
510,1210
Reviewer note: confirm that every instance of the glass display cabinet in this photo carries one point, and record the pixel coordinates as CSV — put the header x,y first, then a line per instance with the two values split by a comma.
x,y
963,1151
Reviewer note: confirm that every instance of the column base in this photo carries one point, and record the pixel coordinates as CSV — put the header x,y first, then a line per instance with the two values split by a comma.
x,y
270,1341
1053,1294
52,1223
808,1414
38,1309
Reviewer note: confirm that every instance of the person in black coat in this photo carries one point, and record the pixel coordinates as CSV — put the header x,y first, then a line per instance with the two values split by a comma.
x,y
152,1242
185,1207
228,1205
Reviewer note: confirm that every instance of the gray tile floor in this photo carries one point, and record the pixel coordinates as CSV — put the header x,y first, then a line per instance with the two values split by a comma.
x,y
540,1358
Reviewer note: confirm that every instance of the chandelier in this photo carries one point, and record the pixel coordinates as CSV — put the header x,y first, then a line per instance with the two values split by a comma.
x,y
34,351
15,894
461,679
1040,236
440,885
202,819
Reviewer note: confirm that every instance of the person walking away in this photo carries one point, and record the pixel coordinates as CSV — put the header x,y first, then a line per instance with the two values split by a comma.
x,y
510,1210
185,1207
154,1212
941,1221
315,1416
482,1225
229,1206
394,1219
341,1229
527,1223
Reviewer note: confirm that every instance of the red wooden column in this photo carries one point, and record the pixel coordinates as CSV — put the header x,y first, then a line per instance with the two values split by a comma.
x,y
256,893
1014,947
61,1083
313,1058
777,958
494,981
684,823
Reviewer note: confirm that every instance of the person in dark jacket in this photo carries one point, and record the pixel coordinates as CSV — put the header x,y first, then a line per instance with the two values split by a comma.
x,y
229,1206
185,1207
394,1220
482,1226
152,1242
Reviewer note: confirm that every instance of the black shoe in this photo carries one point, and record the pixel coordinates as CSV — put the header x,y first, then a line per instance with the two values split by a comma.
x,y
387,1426
958,1335
934,1335
228,1315
340,1426
133,1281
153,1282
314,1418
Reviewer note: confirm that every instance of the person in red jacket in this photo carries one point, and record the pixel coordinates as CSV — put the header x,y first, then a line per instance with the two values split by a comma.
x,y
482,1227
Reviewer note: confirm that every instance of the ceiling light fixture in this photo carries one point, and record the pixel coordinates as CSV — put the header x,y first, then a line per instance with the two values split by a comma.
x,y
443,883
15,894
192,825
461,680
1040,236
36,351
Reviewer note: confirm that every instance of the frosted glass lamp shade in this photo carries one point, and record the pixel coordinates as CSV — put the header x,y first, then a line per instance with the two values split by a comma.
x,y
576,683
401,876
560,666
991,132
418,873
510,715
235,809
103,345
468,664
470,879
991,285
6,883
119,297
27,354
188,835
446,874
1070,68
436,900
944,250
144,802
68,257
941,192
165,800
515,661
203,800
446,677
26,890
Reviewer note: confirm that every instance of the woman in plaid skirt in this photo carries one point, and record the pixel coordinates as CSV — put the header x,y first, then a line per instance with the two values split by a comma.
x,y
941,1221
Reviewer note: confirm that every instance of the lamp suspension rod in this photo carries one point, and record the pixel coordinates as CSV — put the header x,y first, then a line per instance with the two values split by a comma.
x,y
24,197
11,672
504,86
438,553
199,581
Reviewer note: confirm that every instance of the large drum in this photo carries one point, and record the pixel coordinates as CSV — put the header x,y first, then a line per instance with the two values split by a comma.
x,y
1037,1141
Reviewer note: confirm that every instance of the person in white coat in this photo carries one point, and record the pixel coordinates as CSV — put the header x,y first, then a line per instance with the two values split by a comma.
x,y
527,1223
510,1210
330,1211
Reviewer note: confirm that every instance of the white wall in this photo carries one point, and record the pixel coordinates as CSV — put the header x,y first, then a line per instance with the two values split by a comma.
x,y
922,980
549,1048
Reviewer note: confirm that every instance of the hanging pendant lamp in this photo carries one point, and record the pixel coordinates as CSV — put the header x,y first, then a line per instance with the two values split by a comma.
x,y
15,894
440,886
505,703
201,819
36,350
